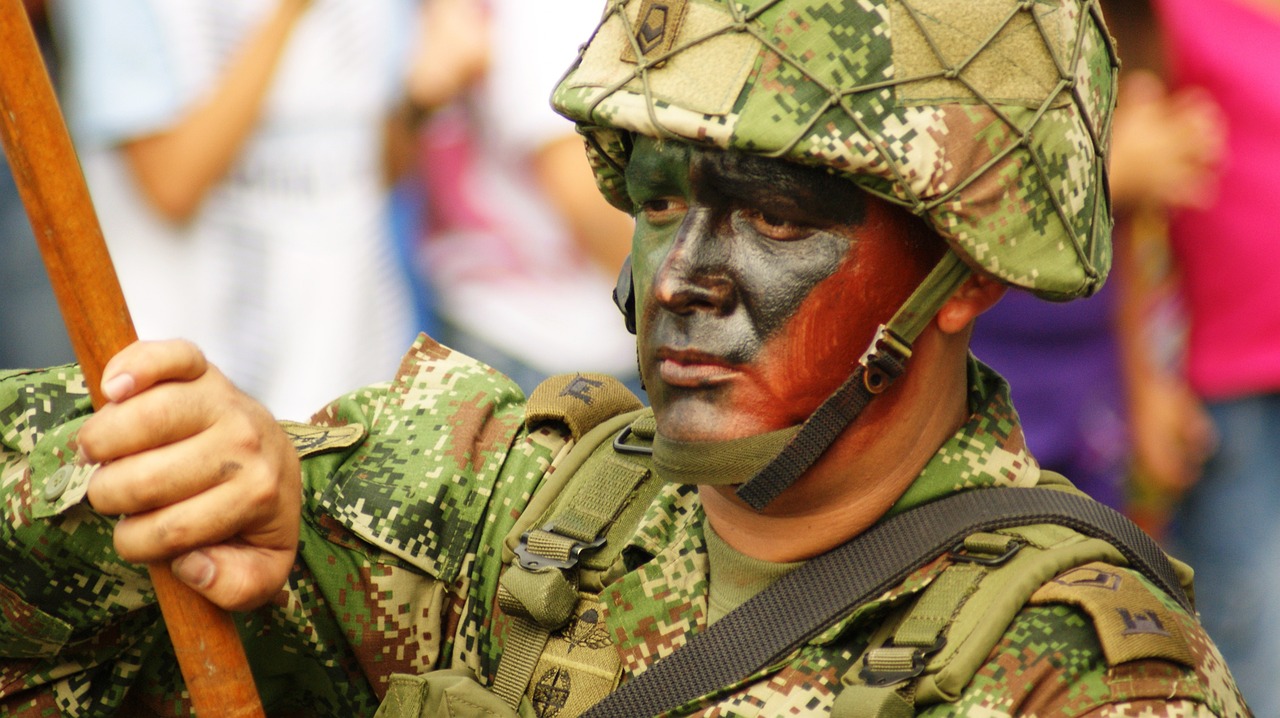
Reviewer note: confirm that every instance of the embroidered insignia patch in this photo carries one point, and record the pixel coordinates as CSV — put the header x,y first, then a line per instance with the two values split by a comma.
x,y
551,693
309,439
1131,621
580,388
579,401
656,29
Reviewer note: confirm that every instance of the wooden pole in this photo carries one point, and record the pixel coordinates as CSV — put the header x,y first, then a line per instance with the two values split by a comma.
x,y
53,189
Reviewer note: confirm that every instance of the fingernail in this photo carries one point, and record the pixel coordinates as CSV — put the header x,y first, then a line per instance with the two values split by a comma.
x,y
118,387
195,569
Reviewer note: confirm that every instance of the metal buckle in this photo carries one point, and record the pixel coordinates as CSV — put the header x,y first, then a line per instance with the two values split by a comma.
x,y
878,373
1014,547
624,448
536,563
885,342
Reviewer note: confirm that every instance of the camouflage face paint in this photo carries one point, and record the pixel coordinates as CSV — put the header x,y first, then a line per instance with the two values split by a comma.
x,y
759,284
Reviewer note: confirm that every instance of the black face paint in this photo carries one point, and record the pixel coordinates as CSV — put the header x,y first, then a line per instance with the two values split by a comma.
x,y
728,249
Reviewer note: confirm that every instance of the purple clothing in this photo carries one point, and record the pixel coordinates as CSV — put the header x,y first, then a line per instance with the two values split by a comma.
x,y
1063,367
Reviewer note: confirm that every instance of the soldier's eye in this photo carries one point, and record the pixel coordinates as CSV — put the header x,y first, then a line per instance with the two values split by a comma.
x,y
662,210
775,227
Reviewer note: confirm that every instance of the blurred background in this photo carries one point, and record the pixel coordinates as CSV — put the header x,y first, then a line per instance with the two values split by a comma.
x,y
301,186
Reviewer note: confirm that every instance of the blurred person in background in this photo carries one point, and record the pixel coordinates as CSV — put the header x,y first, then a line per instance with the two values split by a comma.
x,y
1097,405
521,249
1226,252
235,151
31,330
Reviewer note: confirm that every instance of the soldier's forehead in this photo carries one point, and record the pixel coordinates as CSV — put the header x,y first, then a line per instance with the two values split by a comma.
x,y
743,174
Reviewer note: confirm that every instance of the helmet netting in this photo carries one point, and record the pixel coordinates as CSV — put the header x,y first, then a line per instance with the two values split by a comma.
x,y
989,117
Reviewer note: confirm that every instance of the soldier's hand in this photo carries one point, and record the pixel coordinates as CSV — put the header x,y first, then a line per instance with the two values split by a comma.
x,y
201,473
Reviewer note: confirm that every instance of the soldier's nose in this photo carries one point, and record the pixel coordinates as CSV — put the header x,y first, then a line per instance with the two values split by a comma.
x,y
693,276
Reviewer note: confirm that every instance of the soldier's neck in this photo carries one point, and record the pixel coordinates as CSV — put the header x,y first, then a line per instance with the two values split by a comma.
x,y
862,475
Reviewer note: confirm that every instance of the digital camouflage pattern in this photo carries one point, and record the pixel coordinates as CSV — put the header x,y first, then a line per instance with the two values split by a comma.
x,y
989,117
404,519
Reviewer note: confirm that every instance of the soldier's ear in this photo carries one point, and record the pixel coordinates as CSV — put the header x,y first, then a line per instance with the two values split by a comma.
x,y
624,295
978,294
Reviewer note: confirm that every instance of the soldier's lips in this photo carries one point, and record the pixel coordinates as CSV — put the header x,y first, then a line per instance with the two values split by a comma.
x,y
693,369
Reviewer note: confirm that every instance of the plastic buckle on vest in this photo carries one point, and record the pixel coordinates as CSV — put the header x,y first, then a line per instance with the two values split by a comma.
x,y
890,665
527,559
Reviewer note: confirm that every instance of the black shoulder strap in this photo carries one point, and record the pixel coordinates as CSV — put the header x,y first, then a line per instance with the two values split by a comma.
x,y
830,586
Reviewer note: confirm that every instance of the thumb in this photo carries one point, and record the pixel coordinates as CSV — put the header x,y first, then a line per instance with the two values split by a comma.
x,y
234,577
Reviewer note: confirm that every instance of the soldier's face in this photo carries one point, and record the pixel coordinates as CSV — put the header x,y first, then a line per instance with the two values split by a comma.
x,y
759,284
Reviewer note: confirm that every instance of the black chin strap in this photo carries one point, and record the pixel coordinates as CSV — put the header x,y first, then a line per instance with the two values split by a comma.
x,y
883,362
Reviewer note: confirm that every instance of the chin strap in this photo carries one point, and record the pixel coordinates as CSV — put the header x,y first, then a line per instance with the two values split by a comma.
x,y
883,362
767,464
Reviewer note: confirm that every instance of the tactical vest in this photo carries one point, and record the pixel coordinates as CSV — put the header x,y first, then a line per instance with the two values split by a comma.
x,y
565,549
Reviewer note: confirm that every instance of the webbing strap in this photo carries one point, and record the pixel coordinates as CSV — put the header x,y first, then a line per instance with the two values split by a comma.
x,y
520,653
539,591
881,364
592,512
932,614
788,614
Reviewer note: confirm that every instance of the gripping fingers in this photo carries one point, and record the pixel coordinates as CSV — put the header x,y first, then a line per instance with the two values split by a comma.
x,y
182,469
234,509
142,365
145,482
157,406
235,577
234,546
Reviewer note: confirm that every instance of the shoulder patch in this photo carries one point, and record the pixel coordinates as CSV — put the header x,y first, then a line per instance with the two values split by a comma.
x,y
309,439
1131,620
579,401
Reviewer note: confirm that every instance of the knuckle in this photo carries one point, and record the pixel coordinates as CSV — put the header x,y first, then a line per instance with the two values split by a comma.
x,y
243,434
192,355
170,537
261,494
139,493
89,440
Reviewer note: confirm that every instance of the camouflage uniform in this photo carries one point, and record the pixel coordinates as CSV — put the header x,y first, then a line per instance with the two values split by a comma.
x,y
415,490
410,489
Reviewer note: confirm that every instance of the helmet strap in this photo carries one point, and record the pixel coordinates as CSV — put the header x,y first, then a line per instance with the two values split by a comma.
x,y
767,464
881,364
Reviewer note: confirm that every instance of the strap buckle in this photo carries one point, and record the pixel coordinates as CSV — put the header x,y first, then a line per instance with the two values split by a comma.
x,y
889,665
620,445
535,562
884,359
961,552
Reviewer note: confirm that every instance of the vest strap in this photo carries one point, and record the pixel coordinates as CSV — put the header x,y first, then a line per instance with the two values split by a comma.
x,y
829,586
540,589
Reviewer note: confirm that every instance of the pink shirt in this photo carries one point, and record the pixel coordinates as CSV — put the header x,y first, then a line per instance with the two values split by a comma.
x,y
1230,251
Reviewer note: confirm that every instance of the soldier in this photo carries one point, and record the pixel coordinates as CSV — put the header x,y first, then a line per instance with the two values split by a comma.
x,y
827,195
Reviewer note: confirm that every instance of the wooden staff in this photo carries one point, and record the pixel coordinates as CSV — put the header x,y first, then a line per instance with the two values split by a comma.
x,y
53,189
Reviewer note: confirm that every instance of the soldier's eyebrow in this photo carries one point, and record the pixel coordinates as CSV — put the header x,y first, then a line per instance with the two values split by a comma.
x,y
823,197
657,168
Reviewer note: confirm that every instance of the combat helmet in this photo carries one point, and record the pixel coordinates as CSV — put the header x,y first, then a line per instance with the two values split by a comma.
x,y
989,118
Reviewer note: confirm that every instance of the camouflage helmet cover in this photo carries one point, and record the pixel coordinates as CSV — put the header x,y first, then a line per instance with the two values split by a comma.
x,y
989,117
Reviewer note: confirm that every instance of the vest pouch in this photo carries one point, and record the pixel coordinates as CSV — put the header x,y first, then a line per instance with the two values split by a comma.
x,y
451,693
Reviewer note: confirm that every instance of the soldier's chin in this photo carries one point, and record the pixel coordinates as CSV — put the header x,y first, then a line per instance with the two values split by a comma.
x,y
693,417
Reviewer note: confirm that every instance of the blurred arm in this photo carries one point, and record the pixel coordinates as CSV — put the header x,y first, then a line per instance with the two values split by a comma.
x,y
599,229
176,168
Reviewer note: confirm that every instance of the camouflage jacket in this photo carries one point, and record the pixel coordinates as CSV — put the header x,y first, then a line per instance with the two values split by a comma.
x,y
410,489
